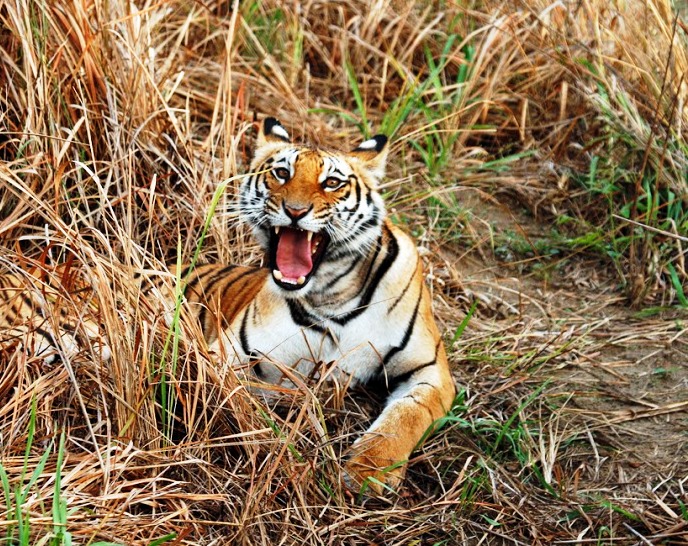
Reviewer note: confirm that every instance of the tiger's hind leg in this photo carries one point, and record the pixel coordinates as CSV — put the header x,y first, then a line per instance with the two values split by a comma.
x,y
42,342
45,322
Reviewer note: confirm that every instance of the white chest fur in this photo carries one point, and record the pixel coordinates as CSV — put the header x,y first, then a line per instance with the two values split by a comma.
x,y
354,339
277,341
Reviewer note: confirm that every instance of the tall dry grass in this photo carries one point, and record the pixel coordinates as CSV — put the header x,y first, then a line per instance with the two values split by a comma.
x,y
119,120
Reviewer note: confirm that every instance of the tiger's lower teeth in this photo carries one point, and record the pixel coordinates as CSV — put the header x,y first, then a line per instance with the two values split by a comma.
x,y
280,277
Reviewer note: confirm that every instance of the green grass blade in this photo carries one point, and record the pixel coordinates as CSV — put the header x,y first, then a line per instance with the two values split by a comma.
x,y
174,332
358,97
678,286
464,322
5,483
507,425
29,437
61,536
162,540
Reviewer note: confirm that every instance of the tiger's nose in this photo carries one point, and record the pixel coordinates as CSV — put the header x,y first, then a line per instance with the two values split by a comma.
x,y
296,213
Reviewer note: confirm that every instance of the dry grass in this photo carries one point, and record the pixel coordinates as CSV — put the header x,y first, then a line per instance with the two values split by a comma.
x,y
540,158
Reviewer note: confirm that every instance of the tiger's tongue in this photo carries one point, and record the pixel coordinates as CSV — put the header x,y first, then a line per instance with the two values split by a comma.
x,y
294,253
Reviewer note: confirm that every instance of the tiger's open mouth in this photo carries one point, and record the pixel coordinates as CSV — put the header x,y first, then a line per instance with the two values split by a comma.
x,y
295,255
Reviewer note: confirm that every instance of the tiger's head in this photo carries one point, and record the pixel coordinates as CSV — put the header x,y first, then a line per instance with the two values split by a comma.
x,y
308,206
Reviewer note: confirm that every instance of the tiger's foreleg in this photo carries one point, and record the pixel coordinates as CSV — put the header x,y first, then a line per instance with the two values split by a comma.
x,y
380,456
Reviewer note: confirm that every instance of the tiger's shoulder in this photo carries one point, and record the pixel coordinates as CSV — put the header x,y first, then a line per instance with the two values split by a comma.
x,y
217,293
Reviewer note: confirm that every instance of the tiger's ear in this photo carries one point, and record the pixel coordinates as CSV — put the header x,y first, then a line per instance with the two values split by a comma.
x,y
373,154
271,131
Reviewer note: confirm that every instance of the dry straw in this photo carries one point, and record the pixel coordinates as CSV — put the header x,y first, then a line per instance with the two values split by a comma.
x,y
118,122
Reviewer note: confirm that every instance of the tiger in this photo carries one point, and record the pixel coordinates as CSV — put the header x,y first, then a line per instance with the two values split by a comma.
x,y
343,286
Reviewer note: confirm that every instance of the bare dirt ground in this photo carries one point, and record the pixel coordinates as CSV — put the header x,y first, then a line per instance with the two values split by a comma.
x,y
603,386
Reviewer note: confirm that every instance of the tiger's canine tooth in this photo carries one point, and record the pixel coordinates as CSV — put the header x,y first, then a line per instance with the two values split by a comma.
x,y
277,230
301,280
309,236
277,274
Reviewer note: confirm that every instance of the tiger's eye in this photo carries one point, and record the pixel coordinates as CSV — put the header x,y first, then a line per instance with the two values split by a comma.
x,y
281,173
332,183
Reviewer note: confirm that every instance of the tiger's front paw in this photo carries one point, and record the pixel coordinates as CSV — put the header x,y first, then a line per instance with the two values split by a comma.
x,y
372,471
